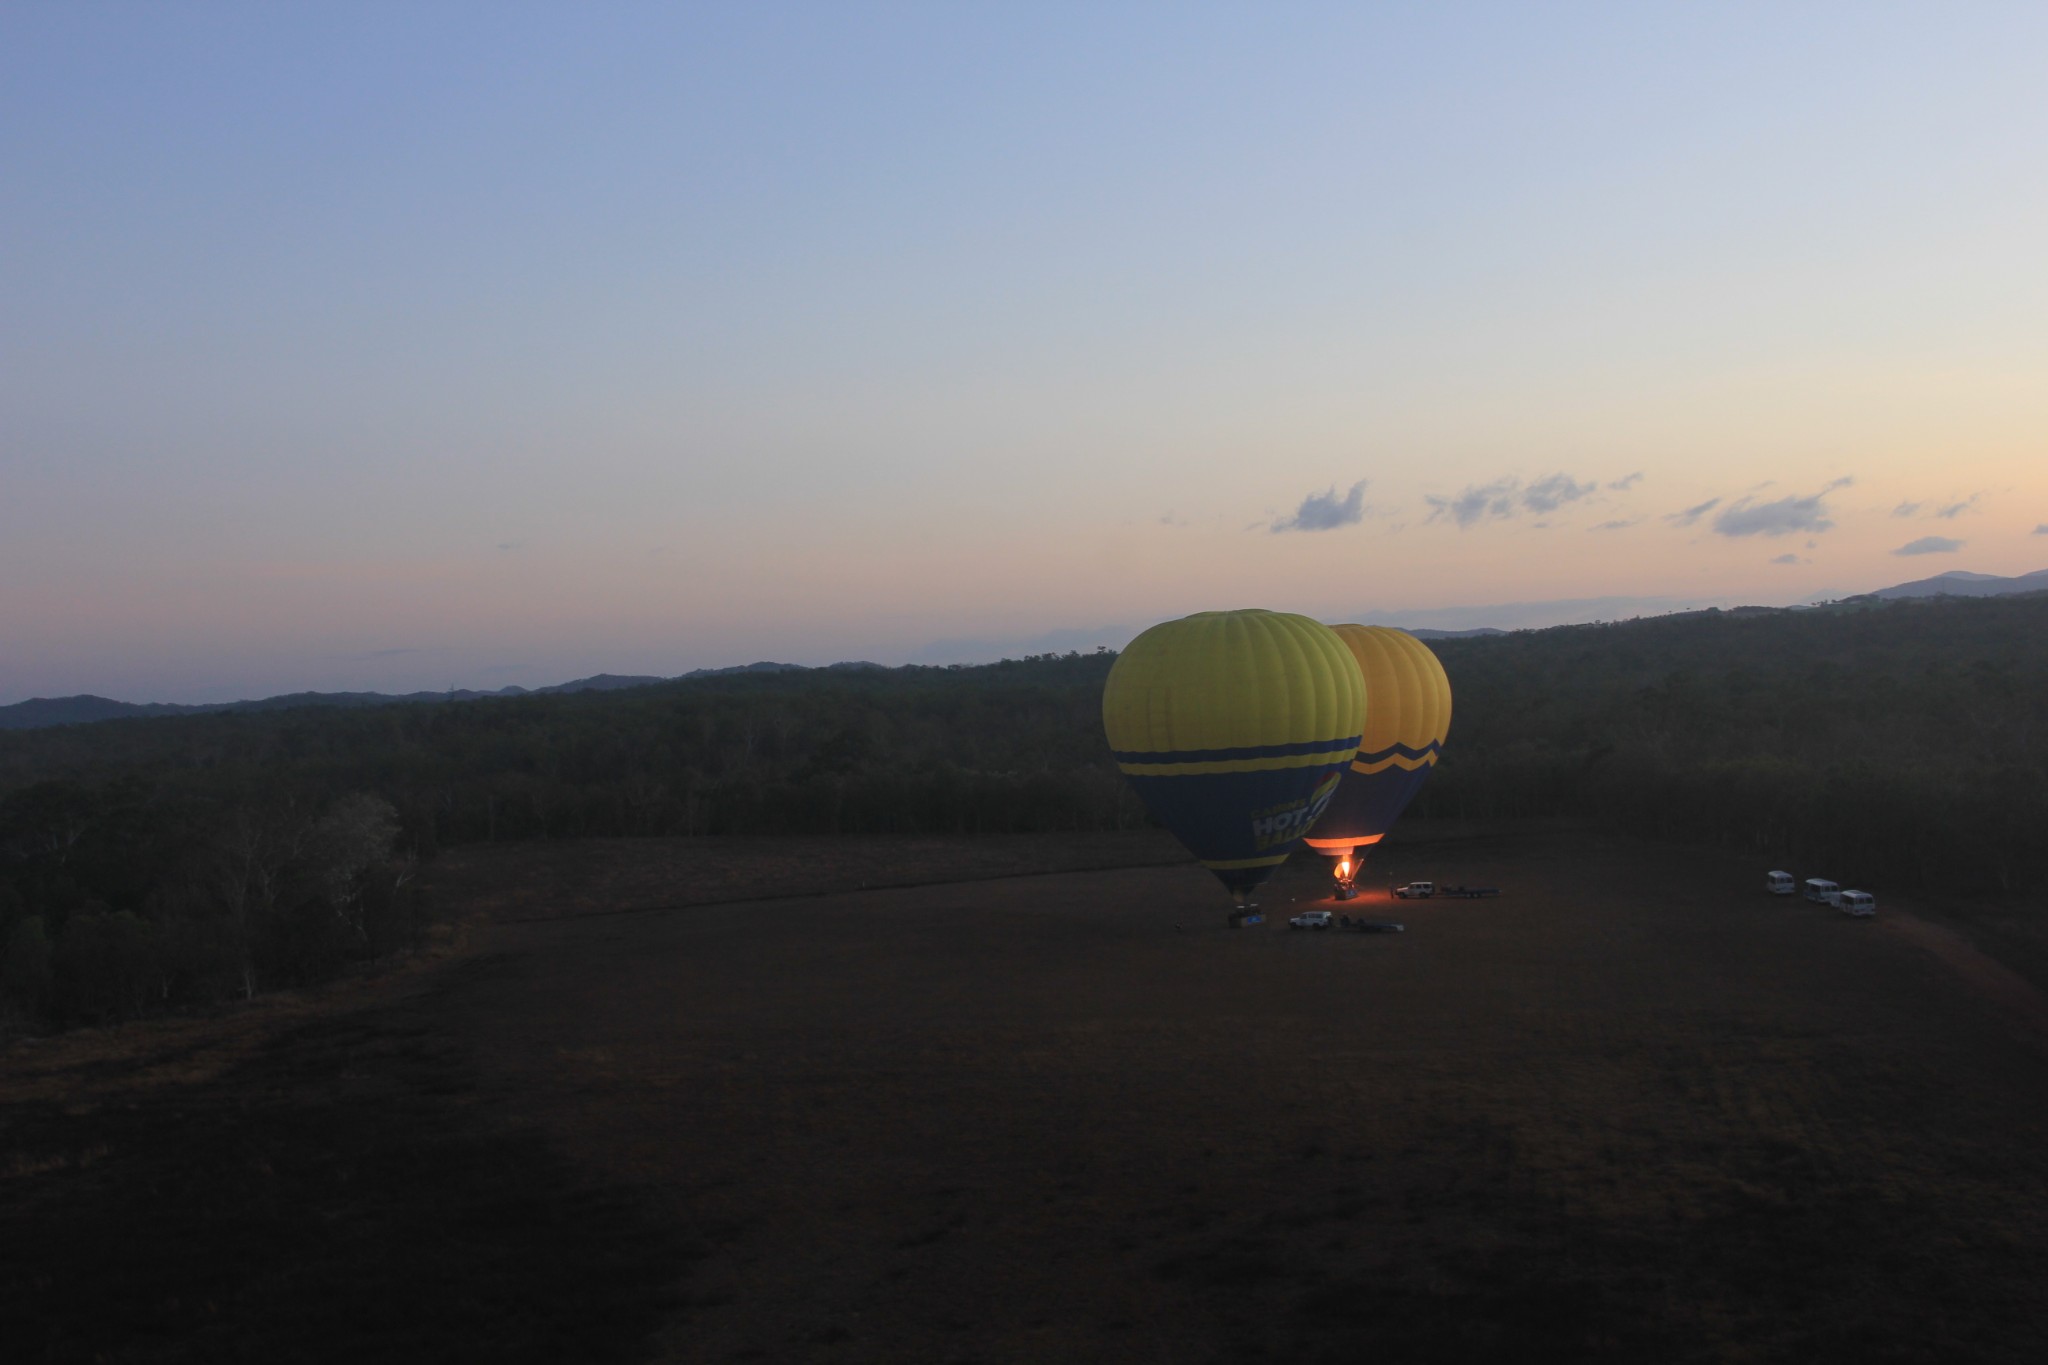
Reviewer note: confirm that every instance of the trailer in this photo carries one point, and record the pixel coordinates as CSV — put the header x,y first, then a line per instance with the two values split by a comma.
x,y
1468,893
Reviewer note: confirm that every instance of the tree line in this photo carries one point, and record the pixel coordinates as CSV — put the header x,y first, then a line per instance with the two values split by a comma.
x,y
157,863
1900,743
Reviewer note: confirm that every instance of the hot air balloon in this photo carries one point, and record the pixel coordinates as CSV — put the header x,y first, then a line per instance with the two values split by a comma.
x,y
1404,726
1233,727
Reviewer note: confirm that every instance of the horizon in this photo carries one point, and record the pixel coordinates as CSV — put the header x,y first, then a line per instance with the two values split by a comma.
x,y
1466,621
366,348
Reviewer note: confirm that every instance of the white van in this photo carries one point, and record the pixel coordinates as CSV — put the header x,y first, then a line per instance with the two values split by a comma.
x,y
1822,891
1858,903
1779,883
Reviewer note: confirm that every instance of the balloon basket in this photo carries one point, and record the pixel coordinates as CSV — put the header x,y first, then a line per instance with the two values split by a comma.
x,y
1344,872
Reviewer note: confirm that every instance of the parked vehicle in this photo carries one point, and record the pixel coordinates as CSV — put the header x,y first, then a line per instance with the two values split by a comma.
x,y
1469,893
1416,891
1858,903
1312,919
1779,883
1376,926
1821,891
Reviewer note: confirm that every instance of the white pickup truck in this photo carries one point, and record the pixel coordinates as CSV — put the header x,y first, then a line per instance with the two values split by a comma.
x,y
1416,891
1312,919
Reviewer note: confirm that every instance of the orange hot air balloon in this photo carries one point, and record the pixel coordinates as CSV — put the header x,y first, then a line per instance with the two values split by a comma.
x,y
1406,720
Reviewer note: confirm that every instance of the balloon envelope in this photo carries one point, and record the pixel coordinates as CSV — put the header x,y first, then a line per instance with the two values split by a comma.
x,y
1406,720
1233,726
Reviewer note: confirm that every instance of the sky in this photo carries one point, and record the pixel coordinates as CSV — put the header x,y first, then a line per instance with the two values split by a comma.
x,y
422,345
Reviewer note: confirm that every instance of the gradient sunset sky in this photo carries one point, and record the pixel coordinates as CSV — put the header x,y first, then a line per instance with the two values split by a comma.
x,y
415,345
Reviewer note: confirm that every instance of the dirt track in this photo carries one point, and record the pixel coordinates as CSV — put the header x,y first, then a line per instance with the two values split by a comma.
x,y
1633,1110
2024,1004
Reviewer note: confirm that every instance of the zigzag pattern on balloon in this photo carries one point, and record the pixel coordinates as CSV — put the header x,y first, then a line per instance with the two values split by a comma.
x,y
1396,756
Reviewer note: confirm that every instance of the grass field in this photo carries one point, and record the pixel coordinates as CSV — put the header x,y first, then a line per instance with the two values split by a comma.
x,y
1633,1110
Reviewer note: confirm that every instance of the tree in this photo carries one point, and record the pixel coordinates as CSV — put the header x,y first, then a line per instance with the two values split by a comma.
x,y
348,845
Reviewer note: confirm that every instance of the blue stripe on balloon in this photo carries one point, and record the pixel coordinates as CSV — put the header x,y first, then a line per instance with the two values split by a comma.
x,y
1312,746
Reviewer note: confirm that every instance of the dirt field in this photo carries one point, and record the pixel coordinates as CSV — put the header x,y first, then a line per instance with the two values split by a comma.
x,y
1633,1110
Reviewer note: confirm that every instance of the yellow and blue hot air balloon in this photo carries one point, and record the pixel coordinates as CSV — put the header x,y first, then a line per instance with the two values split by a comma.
x,y
1233,727
1404,727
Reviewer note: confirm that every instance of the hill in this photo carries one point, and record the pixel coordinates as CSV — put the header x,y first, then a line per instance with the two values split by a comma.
x,y
1959,583
1902,740
38,712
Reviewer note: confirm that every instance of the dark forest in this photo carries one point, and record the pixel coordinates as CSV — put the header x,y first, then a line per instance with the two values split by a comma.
x,y
154,864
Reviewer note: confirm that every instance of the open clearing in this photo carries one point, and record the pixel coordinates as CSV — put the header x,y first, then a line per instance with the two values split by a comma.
x,y
1632,1110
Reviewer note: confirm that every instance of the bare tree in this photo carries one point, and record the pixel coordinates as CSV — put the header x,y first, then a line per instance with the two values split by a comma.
x,y
253,855
354,838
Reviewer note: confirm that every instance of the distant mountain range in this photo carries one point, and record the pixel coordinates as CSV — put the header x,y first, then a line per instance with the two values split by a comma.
x,y
1509,616
38,712
1958,583
45,711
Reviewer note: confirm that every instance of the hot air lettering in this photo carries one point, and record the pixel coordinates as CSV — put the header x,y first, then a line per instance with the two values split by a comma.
x,y
1286,823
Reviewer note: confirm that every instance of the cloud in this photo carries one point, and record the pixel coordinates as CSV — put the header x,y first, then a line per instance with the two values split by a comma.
x,y
1496,499
1930,545
2042,529
1779,517
1504,497
1615,525
1326,511
1626,482
1947,511
1788,559
1692,514
1554,491
511,544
